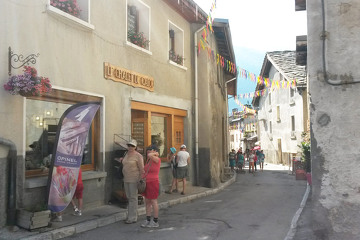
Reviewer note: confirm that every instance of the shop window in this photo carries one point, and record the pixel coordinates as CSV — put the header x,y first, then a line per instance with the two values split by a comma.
x,y
159,133
138,24
176,44
42,121
152,124
73,10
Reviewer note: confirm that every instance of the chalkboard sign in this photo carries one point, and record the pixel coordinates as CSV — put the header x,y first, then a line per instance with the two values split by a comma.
x,y
138,134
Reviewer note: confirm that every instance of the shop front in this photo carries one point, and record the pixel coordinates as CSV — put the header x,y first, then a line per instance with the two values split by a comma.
x,y
42,116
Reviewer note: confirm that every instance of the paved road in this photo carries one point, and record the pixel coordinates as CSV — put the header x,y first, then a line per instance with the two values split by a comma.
x,y
252,208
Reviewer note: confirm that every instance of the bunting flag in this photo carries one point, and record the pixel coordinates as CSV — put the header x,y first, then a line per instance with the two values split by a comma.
x,y
274,85
230,66
245,108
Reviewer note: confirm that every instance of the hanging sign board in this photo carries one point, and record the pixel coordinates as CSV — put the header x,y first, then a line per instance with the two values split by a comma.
x,y
128,77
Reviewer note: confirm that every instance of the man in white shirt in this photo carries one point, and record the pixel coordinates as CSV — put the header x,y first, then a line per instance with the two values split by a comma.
x,y
183,160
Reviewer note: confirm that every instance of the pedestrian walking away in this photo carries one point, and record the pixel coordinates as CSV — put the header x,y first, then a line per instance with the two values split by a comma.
x,y
232,160
240,161
171,157
151,194
133,169
262,159
251,161
183,160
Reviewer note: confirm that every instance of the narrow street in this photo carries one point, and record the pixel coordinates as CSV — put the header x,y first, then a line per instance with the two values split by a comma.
x,y
255,207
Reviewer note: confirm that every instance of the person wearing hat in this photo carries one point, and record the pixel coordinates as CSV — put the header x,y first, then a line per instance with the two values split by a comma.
x,y
171,157
133,168
183,160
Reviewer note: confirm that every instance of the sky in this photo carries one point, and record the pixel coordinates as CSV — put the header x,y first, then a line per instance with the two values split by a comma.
x,y
257,27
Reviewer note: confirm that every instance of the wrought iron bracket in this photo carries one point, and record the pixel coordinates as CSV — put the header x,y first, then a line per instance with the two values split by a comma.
x,y
19,58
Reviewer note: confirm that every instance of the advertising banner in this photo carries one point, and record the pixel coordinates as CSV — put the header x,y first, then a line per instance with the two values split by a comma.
x,y
68,152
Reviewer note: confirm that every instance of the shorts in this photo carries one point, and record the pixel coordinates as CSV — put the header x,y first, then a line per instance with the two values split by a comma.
x,y
152,189
79,191
232,163
181,172
240,164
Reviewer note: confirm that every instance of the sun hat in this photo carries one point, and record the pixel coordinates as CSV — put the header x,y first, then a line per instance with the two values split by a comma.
x,y
183,146
173,150
132,142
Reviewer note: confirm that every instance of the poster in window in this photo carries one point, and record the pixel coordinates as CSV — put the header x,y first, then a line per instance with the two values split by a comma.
x,y
68,153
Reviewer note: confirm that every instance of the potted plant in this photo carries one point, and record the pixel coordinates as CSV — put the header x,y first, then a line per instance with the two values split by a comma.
x,y
28,84
69,6
176,57
305,155
138,38
34,217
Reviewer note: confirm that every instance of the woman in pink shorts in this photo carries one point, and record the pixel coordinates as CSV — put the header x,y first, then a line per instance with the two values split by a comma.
x,y
152,169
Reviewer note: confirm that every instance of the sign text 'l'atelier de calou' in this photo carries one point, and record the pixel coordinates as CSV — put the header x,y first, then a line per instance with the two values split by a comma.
x,y
128,77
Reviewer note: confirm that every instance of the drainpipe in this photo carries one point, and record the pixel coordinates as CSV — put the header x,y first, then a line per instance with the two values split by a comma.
x,y
12,157
227,114
197,110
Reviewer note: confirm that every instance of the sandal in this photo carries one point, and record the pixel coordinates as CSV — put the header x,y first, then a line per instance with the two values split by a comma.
x,y
182,193
168,192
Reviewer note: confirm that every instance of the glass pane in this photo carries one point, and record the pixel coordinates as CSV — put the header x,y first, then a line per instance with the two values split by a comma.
x,y
42,119
159,133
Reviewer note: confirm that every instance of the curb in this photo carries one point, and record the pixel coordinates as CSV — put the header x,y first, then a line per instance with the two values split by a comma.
x,y
291,233
116,217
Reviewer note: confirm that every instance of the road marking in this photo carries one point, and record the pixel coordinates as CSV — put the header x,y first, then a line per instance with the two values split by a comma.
x,y
216,201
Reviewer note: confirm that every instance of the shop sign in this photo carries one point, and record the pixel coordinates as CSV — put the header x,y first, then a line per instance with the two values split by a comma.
x,y
128,77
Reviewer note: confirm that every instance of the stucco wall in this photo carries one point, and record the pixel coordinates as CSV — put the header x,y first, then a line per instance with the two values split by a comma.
x,y
334,115
212,118
280,129
73,58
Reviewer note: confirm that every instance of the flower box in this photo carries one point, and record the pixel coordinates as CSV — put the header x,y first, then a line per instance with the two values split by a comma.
x,y
32,220
138,38
69,6
176,57
28,84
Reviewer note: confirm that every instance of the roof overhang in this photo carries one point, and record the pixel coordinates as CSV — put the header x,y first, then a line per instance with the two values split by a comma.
x,y
189,10
223,38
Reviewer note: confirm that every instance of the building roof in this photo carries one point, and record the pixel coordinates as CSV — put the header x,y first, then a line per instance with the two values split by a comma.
x,y
285,63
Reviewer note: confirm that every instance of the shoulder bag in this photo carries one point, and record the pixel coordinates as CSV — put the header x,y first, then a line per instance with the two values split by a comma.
x,y
141,184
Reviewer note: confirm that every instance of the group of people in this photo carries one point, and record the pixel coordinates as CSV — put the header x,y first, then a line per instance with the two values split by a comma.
x,y
237,159
179,165
135,168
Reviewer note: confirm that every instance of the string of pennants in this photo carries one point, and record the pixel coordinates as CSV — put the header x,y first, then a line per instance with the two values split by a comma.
x,y
232,68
